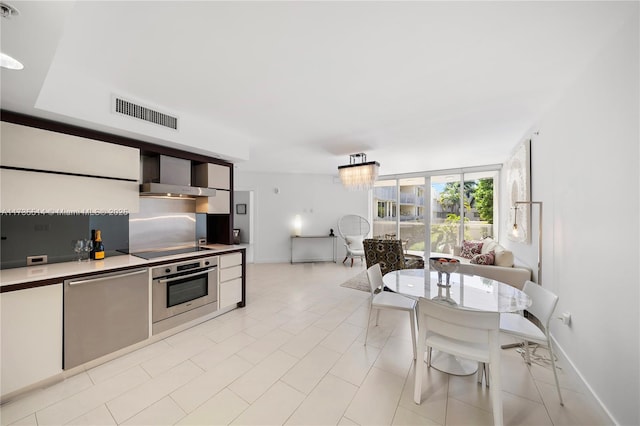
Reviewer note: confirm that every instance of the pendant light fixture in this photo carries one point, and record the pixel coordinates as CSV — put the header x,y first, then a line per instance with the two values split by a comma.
x,y
359,173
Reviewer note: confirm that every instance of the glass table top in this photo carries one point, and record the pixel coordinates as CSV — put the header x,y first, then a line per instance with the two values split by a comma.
x,y
465,291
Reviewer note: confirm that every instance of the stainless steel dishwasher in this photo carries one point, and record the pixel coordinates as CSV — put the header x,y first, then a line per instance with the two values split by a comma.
x,y
104,313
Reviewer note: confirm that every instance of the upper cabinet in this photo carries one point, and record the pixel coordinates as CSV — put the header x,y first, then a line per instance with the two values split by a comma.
x,y
218,177
50,171
213,176
220,204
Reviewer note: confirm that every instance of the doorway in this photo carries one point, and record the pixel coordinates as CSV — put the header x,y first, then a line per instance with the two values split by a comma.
x,y
243,221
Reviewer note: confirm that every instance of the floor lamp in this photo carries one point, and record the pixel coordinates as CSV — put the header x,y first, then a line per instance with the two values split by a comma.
x,y
515,232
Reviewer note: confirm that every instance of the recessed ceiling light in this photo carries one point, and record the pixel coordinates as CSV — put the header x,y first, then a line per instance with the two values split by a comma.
x,y
8,62
7,11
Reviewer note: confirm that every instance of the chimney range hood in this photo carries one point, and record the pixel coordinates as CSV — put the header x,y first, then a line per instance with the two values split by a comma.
x,y
169,176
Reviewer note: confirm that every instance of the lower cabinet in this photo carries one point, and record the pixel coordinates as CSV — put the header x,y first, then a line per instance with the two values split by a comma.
x,y
230,282
31,336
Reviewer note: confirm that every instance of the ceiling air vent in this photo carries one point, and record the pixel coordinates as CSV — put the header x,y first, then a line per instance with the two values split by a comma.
x,y
131,109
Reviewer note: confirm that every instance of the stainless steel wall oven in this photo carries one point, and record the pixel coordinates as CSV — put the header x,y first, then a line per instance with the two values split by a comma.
x,y
182,287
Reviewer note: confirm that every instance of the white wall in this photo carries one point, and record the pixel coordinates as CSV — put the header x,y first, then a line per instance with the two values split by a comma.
x,y
585,163
318,199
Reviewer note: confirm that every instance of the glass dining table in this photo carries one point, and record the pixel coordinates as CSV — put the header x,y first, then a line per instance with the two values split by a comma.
x,y
464,292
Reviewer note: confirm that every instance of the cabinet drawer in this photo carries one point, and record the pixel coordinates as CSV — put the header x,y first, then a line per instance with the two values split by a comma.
x,y
228,260
230,292
227,274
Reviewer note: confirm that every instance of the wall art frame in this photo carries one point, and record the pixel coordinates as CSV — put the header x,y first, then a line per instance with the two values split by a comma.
x,y
518,188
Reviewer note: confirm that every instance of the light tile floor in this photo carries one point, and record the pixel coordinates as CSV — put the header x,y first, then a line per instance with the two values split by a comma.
x,y
295,355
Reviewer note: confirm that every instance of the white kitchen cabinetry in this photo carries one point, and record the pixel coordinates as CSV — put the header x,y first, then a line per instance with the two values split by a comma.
x,y
31,323
218,177
221,203
230,282
213,176
44,170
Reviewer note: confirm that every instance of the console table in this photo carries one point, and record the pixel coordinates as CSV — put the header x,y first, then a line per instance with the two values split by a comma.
x,y
313,248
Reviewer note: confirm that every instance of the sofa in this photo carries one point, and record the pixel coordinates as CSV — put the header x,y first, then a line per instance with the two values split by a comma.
x,y
487,258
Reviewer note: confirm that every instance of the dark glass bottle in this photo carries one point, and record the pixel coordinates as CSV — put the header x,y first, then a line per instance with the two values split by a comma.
x,y
98,247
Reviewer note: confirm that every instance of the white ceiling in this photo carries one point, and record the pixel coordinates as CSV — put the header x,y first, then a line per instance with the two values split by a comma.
x,y
298,86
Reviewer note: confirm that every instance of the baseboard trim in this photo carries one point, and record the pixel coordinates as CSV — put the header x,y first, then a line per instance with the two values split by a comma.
x,y
559,348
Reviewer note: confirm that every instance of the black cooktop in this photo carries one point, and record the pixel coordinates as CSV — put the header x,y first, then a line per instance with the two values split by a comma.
x,y
148,255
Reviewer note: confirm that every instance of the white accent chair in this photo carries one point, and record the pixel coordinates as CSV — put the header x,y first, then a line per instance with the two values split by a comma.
x,y
389,300
353,229
472,335
543,303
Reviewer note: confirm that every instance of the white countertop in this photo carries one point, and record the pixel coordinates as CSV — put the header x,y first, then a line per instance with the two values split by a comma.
x,y
56,270
61,270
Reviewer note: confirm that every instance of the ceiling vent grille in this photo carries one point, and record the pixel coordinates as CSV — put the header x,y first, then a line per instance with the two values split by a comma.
x,y
125,107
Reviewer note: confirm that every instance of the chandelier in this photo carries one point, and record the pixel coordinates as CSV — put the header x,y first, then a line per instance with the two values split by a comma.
x,y
359,174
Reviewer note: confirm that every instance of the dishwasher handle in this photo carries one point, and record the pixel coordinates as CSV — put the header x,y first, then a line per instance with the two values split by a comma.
x,y
110,277
168,280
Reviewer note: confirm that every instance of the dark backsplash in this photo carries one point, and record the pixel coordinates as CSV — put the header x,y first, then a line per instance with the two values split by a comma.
x,y
54,235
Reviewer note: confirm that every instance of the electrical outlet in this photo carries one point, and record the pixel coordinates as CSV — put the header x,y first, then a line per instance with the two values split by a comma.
x,y
565,318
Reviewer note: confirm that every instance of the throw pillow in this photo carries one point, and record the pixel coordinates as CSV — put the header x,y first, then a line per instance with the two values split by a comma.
x,y
470,249
484,259
488,244
504,258
354,241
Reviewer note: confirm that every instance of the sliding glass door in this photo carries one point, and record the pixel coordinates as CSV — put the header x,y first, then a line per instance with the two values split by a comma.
x,y
412,209
479,205
438,208
385,208
462,208
445,213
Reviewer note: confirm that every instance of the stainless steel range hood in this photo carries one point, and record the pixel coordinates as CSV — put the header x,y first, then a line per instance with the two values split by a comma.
x,y
169,176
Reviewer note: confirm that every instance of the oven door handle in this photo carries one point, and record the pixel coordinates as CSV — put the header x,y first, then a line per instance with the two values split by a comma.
x,y
168,280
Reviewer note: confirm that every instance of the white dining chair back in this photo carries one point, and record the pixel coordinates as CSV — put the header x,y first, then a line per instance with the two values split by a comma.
x,y
388,300
543,304
374,275
468,334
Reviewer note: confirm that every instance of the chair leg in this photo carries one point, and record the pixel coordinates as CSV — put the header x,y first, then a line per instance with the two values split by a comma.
x,y
345,259
413,332
419,368
496,395
480,372
487,374
555,372
352,262
527,355
368,322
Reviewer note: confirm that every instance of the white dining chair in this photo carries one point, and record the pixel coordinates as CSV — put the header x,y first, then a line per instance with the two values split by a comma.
x,y
389,300
543,303
472,335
